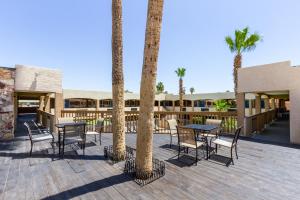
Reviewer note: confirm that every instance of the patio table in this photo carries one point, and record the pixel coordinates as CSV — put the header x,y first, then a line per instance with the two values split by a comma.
x,y
202,128
61,129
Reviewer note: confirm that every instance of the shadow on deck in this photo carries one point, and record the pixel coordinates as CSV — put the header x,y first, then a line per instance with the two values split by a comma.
x,y
263,171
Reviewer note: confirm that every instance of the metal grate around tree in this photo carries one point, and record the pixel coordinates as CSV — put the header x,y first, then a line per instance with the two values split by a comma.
x,y
158,171
109,154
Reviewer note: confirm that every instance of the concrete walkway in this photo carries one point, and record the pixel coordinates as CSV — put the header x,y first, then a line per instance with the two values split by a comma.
x,y
277,132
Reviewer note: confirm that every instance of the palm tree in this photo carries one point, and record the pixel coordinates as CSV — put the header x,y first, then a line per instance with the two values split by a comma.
x,y
118,114
192,90
180,73
243,42
147,90
160,87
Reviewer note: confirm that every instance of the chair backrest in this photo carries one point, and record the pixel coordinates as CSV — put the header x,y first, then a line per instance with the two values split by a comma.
x,y
99,125
172,125
215,122
61,120
236,135
186,135
75,130
28,129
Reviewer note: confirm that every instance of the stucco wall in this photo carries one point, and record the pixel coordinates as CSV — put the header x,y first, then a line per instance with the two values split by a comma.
x,y
37,79
275,77
7,76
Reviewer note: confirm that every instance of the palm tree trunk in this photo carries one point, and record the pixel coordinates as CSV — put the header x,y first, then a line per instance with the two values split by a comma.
x,y
118,114
236,65
147,90
239,97
180,94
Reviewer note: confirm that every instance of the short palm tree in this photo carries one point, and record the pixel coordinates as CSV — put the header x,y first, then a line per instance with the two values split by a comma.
x,y
160,87
192,90
180,73
118,114
242,42
147,90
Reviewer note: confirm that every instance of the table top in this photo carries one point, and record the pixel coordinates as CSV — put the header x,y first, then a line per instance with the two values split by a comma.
x,y
62,125
201,127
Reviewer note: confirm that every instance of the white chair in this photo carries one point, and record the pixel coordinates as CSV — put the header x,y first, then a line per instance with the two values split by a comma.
x,y
229,144
214,133
172,128
97,130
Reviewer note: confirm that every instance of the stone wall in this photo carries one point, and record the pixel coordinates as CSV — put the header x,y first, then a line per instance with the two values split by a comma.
x,y
7,83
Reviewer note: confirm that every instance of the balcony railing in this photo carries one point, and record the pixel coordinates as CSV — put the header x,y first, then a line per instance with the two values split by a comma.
x,y
257,123
160,126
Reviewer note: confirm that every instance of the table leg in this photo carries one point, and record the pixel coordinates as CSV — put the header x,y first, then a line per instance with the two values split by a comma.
x,y
58,142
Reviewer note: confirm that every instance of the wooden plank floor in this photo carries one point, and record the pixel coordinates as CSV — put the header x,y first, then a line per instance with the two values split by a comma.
x,y
262,171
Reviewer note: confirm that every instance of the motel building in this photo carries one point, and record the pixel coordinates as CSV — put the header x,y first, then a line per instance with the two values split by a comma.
x,y
269,93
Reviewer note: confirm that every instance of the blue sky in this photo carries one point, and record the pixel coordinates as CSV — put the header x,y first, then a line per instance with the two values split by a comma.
x,y
75,37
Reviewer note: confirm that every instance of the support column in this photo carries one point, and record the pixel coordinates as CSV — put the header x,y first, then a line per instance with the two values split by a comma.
x,y
267,104
250,107
42,103
47,103
97,104
240,103
273,103
257,104
173,105
158,102
193,109
59,104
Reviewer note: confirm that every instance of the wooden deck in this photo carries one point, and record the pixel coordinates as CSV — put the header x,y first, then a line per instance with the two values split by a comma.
x,y
262,171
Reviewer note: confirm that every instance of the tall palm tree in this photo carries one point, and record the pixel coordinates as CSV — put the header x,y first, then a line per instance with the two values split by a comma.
x,y
192,90
147,90
242,42
180,73
118,114
160,87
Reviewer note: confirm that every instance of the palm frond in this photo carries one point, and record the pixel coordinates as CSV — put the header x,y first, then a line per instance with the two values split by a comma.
x,y
251,41
229,41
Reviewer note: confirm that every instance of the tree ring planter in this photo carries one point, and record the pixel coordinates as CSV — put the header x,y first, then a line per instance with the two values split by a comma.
x,y
109,154
158,171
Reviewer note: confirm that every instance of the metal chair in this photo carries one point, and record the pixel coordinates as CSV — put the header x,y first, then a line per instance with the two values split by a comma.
x,y
187,138
74,134
229,144
172,128
38,137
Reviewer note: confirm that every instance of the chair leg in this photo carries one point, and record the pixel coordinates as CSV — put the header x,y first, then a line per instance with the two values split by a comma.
x,y
100,138
216,148
231,156
236,152
178,152
196,156
31,149
95,138
170,141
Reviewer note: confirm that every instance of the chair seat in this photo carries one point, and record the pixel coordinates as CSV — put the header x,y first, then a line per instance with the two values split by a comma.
x,y
223,143
42,137
92,133
190,145
73,140
208,135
